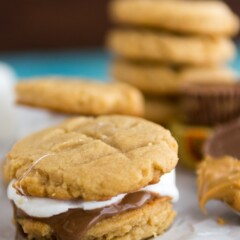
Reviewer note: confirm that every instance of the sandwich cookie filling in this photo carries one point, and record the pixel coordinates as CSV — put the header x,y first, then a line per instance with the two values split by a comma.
x,y
78,216
50,207
73,224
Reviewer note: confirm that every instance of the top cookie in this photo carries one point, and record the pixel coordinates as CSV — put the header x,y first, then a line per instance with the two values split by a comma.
x,y
81,97
197,17
92,158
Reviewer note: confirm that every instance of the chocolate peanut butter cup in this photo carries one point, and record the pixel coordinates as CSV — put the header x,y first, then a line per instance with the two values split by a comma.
x,y
224,141
210,104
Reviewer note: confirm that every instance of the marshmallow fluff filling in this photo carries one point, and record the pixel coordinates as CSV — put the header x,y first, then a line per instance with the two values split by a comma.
x,y
46,207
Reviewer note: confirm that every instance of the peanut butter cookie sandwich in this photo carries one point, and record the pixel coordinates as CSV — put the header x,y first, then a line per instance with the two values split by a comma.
x,y
110,177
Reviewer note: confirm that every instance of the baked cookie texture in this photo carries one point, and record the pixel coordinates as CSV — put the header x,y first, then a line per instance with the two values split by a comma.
x,y
150,220
80,97
148,45
194,17
219,179
160,79
161,110
92,158
159,46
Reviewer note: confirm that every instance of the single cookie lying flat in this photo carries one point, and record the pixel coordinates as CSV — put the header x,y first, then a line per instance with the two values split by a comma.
x,y
71,160
197,17
168,48
80,97
162,79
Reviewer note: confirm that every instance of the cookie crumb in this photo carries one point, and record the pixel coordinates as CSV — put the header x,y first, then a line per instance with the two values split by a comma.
x,y
221,221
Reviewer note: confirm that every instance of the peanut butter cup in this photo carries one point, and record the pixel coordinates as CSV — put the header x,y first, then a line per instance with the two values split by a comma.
x,y
210,104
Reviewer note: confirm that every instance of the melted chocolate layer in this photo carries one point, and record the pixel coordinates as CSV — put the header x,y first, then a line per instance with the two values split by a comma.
x,y
73,224
225,141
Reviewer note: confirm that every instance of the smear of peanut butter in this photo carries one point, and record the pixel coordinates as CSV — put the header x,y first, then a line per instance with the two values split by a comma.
x,y
219,179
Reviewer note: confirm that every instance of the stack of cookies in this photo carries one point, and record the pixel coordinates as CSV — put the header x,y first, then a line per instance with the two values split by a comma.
x,y
164,44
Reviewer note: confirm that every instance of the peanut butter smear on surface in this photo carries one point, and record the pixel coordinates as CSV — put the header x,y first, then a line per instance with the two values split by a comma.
x,y
219,179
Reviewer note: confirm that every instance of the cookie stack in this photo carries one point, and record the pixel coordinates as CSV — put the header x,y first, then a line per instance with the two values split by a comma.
x,y
164,44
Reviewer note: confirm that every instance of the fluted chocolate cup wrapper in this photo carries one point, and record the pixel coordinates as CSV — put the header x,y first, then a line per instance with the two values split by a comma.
x,y
210,104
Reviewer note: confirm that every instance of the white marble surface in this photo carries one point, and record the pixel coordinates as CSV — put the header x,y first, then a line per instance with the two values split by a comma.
x,y
190,223
7,107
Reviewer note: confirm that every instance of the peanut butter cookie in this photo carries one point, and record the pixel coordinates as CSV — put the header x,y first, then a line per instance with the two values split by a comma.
x,y
80,97
168,48
194,17
160,79
91,158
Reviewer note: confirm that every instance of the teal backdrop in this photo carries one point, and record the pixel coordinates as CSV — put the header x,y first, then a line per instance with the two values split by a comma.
x,y
83,63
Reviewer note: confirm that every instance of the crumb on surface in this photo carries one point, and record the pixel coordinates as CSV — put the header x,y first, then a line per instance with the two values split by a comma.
x,y
221,221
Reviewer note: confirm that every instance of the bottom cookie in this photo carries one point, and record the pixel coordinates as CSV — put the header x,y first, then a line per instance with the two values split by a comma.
x,y
150,220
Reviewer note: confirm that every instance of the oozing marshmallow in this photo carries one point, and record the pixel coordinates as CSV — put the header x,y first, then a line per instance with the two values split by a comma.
x,y
45,207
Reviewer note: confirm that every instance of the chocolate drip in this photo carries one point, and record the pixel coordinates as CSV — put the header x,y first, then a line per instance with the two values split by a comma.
x,y
73,224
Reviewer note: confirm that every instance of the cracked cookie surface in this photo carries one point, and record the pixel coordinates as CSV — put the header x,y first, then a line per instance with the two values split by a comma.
x,y
92,158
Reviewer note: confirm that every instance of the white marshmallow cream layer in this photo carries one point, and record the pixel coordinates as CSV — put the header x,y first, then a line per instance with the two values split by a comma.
x,y
46,207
